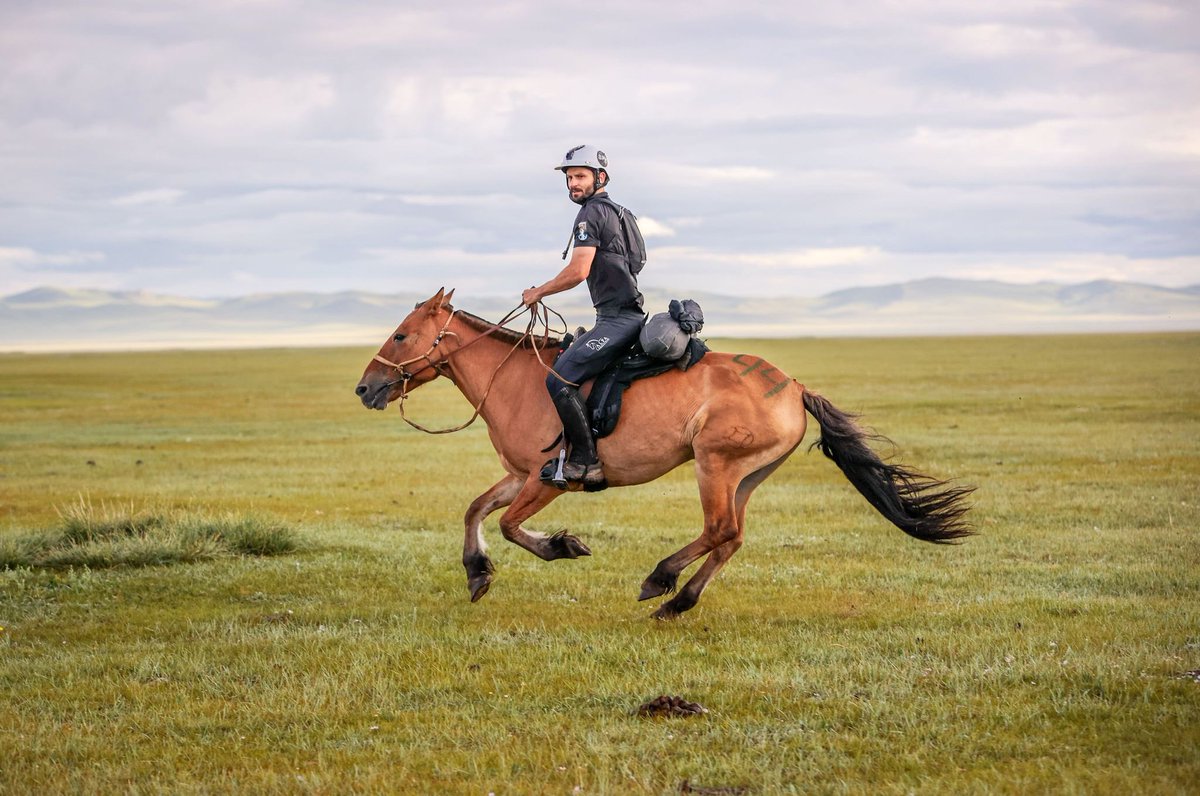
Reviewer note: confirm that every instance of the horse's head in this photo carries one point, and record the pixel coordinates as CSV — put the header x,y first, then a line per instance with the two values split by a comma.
x,y
410,357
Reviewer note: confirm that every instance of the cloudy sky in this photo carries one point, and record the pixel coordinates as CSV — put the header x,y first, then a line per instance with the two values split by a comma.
x,y
232,147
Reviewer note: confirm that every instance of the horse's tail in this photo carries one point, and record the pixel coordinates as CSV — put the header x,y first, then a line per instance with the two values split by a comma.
x,y
923,507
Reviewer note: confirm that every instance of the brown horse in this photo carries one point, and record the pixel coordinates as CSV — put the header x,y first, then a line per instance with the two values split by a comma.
x,y
736,415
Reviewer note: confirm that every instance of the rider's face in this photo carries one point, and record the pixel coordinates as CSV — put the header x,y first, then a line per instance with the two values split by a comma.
x,y
581,183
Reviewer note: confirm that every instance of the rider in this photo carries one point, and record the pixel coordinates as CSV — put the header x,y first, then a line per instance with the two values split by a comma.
x,y
599,256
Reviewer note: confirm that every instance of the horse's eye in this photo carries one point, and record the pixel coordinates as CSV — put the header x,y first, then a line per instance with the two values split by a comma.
x,y
398,337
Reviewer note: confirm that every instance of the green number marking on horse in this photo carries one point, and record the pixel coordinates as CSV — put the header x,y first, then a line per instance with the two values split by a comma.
x,y
776,379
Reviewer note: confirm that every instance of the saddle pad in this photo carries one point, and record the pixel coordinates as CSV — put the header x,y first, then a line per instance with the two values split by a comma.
x,y
604,402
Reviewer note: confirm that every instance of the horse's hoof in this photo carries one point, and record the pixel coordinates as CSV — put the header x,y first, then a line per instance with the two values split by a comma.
x,y
673,608
656,586
566,545
479,585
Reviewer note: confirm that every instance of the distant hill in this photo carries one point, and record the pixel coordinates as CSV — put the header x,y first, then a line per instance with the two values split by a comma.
x,y
50,319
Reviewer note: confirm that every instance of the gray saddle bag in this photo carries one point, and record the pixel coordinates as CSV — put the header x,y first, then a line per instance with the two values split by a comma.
x,y
666,334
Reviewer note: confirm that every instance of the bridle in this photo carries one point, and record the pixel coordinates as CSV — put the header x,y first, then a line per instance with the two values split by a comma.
x,y
405,376
539,317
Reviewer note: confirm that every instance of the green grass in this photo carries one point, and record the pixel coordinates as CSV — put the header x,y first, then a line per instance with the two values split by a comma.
x,y
834,654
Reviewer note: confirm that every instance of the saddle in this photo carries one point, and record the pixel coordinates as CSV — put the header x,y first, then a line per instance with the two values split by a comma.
x,y
604,401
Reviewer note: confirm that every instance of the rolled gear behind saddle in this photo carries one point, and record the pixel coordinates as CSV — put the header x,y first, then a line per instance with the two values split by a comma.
x,y
666,334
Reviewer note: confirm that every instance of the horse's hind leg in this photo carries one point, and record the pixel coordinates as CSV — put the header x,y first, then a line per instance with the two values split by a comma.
x,y
689,595
533,497
475,559
717,493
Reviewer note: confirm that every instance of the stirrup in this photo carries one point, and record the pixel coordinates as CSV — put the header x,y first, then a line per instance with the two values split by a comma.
x,y
590,475
552,471
560,474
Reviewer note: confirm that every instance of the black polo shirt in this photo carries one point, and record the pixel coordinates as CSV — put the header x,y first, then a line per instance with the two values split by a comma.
x,y
612,285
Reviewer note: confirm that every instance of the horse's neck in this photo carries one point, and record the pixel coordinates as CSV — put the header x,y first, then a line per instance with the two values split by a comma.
x,y
507,376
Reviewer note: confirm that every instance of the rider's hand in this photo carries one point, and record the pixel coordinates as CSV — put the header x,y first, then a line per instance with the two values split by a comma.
x,y
530,297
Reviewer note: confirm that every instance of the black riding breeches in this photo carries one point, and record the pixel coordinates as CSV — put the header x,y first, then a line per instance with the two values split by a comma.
x,y
592,353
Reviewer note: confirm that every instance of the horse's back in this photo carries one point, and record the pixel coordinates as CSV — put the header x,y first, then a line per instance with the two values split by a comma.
x,y
734,404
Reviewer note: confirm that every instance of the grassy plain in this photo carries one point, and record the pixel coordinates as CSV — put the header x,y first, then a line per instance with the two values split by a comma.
x,y
834,653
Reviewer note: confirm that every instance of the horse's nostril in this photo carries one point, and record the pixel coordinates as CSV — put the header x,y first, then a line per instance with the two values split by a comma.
x,y
360,390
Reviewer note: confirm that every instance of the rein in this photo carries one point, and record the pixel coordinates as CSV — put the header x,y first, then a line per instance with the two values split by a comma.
x,y
437,365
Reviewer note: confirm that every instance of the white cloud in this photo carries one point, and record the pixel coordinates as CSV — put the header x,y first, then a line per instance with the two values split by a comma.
x,y
748,262
383,27
449,256
28,258
151,196
654,229
237,106
449,200
701,176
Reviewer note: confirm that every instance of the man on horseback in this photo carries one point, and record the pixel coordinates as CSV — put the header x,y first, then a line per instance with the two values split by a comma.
x,y
604,249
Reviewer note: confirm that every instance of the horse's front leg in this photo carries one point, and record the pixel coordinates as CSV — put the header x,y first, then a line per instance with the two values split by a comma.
x,y
533,497
475,559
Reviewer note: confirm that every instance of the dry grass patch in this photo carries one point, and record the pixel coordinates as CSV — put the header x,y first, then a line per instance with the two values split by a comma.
x,y
114,535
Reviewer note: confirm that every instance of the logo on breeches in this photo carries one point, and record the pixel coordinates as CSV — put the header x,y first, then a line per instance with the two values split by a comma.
x,y
597,344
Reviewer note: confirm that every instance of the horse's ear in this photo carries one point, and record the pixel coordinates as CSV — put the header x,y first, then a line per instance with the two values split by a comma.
x,y
435,301
446,300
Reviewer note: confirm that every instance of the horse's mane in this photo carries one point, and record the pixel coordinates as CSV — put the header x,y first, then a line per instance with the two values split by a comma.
x,y
507,335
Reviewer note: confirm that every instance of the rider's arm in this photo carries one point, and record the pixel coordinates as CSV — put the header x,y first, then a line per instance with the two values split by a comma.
x,y
575,272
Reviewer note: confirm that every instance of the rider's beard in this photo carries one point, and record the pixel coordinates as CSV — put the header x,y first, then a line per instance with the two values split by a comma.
x,y
583,195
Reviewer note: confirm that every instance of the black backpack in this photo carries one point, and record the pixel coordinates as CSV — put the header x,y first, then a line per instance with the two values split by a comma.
x,y
635,245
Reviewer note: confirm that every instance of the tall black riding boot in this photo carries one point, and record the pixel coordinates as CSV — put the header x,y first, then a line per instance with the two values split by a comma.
x,y
583,464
